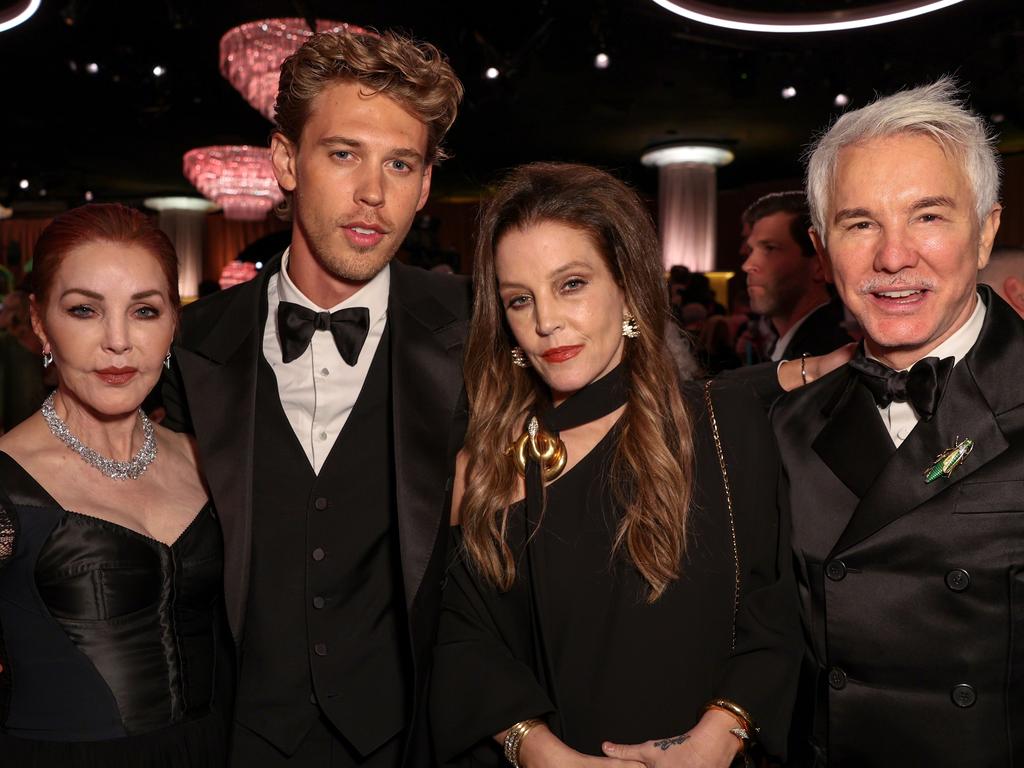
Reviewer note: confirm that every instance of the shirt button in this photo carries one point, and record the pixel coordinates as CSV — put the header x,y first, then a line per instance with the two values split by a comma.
x,y
963,695
958,580
325,372
837,678
318,554
323,435
320,649
319,602
836,570
320,503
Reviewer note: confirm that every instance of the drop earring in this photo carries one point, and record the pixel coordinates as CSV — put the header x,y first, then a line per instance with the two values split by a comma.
x,y
519,358
47,358
630,328
167,360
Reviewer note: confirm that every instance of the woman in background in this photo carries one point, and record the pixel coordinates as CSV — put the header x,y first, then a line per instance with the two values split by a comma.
x,y
622,594
110,552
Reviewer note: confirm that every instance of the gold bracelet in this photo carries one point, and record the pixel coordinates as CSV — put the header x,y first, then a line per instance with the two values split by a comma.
x,y
747,731
803,367
514,739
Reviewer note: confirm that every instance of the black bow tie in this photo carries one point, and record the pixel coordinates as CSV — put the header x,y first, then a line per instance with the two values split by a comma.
x,y
296,325
921,386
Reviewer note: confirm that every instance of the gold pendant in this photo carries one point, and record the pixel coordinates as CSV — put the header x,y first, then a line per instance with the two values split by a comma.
x,y
544,448
949,460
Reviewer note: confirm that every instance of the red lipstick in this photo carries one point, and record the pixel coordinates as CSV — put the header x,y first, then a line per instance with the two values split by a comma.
x,y
561,354
116,376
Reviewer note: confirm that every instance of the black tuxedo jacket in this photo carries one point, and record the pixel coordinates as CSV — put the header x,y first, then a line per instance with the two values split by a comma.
x,y
912,593
820,333
211,392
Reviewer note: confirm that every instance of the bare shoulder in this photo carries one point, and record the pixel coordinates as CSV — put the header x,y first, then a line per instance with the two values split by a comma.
x,y
459,485
28,442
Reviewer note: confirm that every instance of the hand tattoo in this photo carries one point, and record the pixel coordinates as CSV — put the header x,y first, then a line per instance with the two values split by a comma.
x,y
664,744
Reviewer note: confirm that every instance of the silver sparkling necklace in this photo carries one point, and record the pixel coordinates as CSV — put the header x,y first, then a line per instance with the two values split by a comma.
x,y
115,470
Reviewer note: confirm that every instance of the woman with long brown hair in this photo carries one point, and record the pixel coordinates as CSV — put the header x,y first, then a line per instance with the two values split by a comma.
x,y
622,587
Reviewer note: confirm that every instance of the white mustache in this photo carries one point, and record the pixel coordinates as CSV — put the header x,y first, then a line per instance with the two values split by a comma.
x,y
898,282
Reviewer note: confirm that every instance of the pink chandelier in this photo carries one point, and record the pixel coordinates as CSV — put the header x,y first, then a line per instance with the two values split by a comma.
x,y
240,179
251,55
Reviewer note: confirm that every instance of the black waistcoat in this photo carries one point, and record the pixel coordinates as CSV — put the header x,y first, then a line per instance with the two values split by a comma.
x,y
325,622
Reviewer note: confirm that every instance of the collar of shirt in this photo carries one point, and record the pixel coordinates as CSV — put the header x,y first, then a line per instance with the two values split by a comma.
x,y
901,418
318,390
783,341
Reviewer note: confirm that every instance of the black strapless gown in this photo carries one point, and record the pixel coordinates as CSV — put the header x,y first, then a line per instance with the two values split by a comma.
x,y
112,643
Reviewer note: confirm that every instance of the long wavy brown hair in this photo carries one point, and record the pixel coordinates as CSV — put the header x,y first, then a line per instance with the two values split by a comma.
x,y
652,469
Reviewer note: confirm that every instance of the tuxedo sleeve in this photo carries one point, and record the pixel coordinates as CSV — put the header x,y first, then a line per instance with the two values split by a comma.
x,y
172,390
761,673
483,680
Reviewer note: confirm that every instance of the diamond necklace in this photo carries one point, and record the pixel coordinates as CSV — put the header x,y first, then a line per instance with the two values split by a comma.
x,y
115,470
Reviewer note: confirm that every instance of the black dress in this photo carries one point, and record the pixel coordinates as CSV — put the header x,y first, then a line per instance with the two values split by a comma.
x,y
574,640
108,639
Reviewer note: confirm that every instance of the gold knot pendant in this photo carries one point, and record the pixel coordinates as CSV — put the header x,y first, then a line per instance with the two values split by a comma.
x,y
544,448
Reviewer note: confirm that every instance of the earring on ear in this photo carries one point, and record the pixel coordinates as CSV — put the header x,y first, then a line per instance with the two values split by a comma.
x,y
167,360
47,358
519,358
630,328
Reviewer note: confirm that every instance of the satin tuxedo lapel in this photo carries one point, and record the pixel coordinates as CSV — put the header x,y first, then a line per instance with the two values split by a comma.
x,y
974,394
426,359
854,444
218,372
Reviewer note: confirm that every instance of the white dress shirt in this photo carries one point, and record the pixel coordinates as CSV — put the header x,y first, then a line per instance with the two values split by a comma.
x,y
901,418
318,389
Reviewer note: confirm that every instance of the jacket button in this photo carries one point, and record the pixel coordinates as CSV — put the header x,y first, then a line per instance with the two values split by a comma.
x,y
320,649
836,570
318,554
837,678
320,503
318,602
963,695
958,580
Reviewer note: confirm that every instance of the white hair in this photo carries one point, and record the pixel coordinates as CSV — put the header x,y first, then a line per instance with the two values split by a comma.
x,y
936,110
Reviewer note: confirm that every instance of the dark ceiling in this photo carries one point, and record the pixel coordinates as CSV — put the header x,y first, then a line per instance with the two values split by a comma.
x,y
121,132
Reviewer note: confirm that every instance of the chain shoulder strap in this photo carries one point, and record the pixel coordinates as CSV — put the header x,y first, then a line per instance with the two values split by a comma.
x,y
728,503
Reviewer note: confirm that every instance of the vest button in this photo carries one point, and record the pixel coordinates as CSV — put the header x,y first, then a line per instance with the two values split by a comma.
x,y
320,503
963,695
958,580
836,570
318,554
319,602
320,649
837,678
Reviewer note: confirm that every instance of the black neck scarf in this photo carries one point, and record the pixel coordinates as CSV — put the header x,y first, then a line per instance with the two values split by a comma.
x,y
597,399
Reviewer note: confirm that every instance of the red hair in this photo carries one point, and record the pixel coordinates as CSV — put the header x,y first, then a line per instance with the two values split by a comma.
x,y
106,222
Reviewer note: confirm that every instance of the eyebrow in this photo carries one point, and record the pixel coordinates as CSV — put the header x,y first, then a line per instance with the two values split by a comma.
x,y
100,297
936,201
571,266
344,141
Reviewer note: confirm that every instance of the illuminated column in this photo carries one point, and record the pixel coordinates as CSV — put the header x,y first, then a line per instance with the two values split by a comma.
x,y
687,196
183,220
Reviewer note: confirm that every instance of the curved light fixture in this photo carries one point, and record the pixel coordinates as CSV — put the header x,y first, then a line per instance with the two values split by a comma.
x,y
818,21
674,154
240,179
251,55
17,13
180,203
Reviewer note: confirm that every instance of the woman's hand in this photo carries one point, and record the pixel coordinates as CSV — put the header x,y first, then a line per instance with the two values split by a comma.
x,y
542,749
707,745
790,376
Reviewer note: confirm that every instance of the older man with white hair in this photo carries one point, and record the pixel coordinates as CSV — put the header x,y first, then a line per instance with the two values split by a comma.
x,y
905,468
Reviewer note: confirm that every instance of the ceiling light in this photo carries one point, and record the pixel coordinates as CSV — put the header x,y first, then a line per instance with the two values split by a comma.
x,y
92,67
18,13
673,154
492,73
23,184
251,55
240,179
159,71
818,21
998,117
88,196
788,92
841,100
601,61
42,192
179,203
